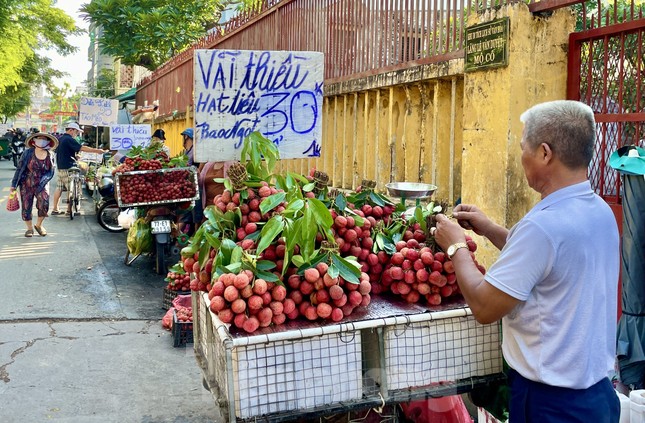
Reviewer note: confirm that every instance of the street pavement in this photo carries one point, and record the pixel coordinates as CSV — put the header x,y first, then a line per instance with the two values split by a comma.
x,y
80,332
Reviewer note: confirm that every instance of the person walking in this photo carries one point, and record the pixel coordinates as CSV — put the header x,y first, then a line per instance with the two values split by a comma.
x,y
66,158
35,170
554,284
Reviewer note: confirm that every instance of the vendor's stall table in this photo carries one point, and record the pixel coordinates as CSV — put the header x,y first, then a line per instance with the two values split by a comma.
x,y
386,353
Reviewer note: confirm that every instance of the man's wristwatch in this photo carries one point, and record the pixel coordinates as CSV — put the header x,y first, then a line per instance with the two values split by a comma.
x,y
454,247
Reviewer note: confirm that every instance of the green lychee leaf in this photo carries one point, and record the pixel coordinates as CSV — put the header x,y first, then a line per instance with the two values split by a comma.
x,y
234,267
341,202
321,213
346,269
376,199
297,260
267,276
270,231
265,265
272,202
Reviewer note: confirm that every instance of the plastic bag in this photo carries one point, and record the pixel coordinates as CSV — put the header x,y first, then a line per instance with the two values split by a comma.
x,y
183,301
140,239
437,410
12,202
126,218
166,321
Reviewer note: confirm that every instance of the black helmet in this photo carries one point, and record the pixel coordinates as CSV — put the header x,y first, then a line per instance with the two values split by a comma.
x,y
160,133
106,186
33,130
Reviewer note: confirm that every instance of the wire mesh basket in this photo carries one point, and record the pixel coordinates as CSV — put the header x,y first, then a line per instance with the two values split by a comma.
x,y
440,349
155,187
307,370
285,371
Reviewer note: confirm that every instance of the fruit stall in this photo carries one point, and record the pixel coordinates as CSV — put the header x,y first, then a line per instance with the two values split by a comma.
x,y
159,189
308,301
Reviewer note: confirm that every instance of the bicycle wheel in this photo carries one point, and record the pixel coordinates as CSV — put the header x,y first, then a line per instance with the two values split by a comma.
x,y
70,197
77,197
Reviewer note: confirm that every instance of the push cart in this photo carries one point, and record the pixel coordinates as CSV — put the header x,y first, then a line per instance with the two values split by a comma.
x,y
391,352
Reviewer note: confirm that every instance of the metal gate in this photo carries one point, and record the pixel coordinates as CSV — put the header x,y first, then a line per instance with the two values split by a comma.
x,y
607,72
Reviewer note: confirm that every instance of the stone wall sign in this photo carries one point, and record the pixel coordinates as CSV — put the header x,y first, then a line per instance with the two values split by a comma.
x,y
487,45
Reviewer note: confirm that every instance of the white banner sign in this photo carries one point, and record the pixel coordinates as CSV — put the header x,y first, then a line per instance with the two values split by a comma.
x,y
124,137
237,92
98,111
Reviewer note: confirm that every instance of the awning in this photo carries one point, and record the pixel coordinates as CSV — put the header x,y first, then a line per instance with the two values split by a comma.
x,y
128,95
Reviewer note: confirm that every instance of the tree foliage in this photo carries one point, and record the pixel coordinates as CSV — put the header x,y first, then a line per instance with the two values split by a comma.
x,y
25,27
104,85
149,32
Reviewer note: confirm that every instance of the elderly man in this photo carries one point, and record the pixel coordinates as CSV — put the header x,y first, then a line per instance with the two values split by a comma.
x,y
554,285
66,158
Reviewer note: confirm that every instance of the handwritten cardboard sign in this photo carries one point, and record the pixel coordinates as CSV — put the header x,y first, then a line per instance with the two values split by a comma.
x,y
124,137
98,111
237,92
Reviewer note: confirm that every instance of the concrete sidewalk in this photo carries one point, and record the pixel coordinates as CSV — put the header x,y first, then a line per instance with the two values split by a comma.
x,y
80,332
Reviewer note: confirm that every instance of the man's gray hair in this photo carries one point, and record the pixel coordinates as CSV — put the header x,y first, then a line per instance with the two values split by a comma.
x,y
568,127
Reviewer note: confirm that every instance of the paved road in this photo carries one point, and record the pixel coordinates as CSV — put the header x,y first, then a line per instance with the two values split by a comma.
x,y
80,332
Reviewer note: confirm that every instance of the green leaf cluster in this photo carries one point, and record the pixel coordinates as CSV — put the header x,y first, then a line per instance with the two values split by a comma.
x,y
300,224
25,27
150,32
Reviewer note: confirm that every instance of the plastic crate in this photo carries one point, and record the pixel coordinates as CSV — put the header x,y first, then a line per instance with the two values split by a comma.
x,y
446,347
182,332
156,178
169,295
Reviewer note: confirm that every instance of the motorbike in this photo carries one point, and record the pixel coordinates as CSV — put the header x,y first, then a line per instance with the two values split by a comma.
x,y
164,230
17,148
162,223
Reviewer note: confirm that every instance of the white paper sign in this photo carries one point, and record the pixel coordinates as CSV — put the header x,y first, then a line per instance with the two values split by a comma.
x,y
237,92
124,137
84,156
98,111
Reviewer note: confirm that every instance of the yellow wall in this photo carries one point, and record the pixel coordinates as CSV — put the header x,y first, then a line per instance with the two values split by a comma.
x,y
173,129
436,124
493,176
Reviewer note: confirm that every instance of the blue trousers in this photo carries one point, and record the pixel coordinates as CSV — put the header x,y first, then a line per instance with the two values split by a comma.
x,y
534,402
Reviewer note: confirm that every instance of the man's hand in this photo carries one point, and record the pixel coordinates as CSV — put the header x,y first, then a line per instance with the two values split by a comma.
x,y
471,218
447,232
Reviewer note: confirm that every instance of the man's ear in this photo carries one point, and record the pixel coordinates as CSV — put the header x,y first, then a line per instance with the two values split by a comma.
x,y
546,152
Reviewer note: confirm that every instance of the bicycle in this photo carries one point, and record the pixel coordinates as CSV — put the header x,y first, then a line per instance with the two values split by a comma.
x,y
74,193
